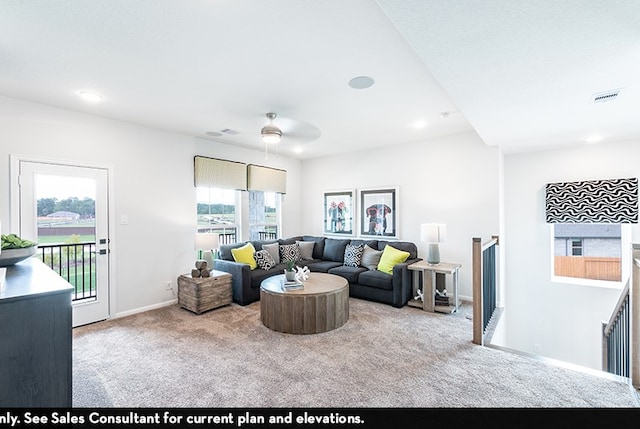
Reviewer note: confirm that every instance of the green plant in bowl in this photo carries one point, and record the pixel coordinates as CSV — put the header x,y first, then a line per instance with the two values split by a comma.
x,y
15,249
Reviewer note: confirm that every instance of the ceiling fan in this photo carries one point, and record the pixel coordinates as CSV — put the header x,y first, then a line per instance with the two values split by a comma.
x,y
287,130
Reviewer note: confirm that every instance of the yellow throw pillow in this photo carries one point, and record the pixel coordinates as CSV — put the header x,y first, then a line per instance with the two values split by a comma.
x,y
246,255
390,258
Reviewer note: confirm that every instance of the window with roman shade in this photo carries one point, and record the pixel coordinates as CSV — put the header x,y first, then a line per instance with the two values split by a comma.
x,y
266,179
589,225
593,201
219,173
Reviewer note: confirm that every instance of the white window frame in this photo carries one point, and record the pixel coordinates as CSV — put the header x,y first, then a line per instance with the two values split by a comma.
x,y
625,261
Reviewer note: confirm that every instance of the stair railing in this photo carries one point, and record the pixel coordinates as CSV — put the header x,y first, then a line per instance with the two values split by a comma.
x,y
485,287
620,342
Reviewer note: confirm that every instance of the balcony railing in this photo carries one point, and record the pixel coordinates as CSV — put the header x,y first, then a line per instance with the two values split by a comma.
x,y
75,263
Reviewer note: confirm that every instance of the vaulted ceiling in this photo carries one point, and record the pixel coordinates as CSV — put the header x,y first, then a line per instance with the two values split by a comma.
x,y
521,74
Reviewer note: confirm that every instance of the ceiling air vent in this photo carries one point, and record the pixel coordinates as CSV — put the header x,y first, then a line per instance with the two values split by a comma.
x,y
230,132
601,97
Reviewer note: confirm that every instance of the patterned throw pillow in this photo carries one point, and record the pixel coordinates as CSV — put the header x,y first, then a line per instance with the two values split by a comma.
x,y
264,260
289,252
353,255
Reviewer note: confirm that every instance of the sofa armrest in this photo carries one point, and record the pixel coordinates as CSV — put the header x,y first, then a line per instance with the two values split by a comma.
x,y
241,279
403,282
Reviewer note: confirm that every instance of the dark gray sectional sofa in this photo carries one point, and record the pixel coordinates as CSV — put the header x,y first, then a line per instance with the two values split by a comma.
x,y
328,257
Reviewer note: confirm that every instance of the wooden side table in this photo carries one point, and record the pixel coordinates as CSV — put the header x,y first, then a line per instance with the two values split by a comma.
x,y
428,281
201,294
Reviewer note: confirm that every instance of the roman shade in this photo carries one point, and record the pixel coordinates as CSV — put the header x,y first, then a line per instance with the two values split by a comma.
x,y
266,179
594,201
219,173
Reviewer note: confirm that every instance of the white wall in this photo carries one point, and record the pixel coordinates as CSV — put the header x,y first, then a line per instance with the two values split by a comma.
x,y
153,186
454,180
563,319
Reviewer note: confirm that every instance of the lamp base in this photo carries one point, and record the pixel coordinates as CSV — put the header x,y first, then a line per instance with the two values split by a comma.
x,y
433,254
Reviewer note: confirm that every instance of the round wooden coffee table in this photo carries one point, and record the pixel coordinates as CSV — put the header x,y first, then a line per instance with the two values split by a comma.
x,y
322,305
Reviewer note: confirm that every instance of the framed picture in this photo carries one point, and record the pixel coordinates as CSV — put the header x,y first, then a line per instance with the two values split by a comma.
x,y
379,212
339,212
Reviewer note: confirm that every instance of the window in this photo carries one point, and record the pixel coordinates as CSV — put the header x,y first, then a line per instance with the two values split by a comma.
x,y
589,253
576,247
264,215
217,211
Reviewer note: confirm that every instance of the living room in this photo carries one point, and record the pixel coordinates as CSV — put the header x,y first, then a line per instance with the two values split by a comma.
x,y
476,188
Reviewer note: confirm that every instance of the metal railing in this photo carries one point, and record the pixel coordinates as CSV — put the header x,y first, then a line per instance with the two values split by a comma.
x,y
620,339
75,263
485,274
616,350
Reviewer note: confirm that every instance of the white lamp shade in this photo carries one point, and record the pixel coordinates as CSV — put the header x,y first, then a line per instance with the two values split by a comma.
x,y
433,232
206,241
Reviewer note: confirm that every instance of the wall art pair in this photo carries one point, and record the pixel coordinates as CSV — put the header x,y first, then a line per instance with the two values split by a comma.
x,y
371,213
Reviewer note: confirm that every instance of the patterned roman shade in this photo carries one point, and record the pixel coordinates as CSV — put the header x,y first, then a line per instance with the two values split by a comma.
x,y
219,173
594,201
266,179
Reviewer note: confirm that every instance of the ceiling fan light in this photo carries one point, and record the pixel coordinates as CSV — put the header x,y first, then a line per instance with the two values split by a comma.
x,y
271,134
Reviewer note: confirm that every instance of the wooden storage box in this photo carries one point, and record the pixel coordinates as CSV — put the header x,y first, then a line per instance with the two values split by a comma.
x,y
204,293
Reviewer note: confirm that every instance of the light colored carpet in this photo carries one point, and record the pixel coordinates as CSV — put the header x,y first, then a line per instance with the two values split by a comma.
x,y
382,357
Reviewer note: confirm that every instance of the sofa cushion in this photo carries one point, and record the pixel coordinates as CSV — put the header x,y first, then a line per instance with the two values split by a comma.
x,y
290,240
318,249
264,260
334,249
405,246
390,258
377,279
289,252
245,254
274,251
322,266
349,273
225,250
306,249
353,255
370,257
258,275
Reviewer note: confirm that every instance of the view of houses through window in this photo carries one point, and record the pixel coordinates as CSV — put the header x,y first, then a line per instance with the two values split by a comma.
x,y
588,251
226,211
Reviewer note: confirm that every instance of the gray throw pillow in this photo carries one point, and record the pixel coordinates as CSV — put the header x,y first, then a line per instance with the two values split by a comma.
x,y
306,249
370,257
274,251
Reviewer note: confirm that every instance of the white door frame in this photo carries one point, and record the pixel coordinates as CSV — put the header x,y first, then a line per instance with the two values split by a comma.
x,y
14,220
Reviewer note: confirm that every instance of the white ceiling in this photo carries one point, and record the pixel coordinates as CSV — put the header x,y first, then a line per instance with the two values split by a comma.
x,y
520,73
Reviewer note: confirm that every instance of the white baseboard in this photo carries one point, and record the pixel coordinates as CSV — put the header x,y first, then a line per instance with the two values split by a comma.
x,y
147,308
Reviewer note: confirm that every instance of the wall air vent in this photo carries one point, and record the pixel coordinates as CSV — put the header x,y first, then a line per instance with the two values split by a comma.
x,y
230,132
602,97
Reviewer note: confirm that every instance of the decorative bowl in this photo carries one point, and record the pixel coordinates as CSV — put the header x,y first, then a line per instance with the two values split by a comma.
x,y
13,256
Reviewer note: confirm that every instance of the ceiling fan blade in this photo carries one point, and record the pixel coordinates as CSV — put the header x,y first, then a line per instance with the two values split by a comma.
x,y
299,131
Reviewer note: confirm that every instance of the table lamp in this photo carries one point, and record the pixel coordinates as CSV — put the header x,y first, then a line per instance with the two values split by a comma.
x,y
206,243
433,234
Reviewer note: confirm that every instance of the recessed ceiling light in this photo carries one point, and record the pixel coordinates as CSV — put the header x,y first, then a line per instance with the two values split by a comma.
x,y
594,138
419,124
90,96
213,134
361,82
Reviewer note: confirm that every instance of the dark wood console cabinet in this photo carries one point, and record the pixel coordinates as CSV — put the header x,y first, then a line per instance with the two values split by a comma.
x,y
35,337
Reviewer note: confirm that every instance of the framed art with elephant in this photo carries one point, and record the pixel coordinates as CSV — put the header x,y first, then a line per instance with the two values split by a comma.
x,y
378,212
